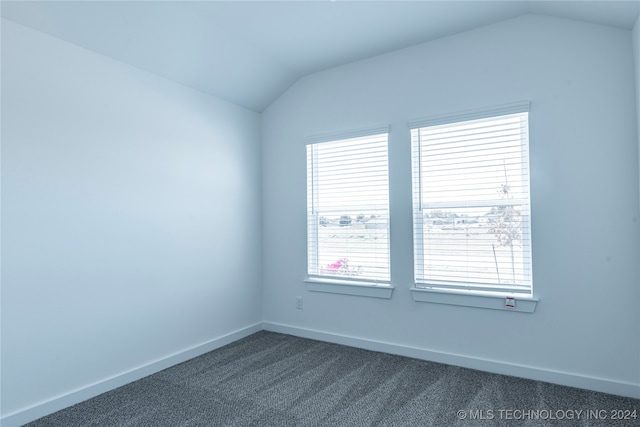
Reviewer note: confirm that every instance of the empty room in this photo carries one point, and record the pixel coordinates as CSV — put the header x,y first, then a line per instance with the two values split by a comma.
x,y
320,213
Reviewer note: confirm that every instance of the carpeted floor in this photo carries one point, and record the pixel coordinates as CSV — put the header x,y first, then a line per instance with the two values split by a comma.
x,y
271,379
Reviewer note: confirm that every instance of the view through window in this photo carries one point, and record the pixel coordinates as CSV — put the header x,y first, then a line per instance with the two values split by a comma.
x,y
348,209
471,205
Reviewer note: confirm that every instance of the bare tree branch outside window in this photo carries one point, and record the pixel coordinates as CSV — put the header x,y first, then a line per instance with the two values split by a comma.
x,y
506,225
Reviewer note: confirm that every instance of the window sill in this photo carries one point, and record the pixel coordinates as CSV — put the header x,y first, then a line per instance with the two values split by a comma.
x,y
523,304
346,287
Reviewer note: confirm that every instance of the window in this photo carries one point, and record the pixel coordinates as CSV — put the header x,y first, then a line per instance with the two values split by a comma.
x,y
348,210
471,203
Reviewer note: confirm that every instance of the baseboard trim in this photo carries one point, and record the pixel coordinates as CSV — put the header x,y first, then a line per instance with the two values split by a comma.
x,y
39,410
493,366
42,409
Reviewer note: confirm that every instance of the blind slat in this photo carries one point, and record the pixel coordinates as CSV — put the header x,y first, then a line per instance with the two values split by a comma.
x,y
500,110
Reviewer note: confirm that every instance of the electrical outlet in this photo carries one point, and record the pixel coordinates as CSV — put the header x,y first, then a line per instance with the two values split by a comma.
x,y
299,303
510,302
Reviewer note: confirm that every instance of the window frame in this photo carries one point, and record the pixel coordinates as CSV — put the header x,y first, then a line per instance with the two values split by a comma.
x,y
456,293
314,281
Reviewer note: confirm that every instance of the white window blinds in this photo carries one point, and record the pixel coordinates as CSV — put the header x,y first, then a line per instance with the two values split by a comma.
x,y
471,202
348,208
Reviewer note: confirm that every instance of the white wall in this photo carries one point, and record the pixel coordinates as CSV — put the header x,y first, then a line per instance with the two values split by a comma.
x,y
131,207
584,168
636,57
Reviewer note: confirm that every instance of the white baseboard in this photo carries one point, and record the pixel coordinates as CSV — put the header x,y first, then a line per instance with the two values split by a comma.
x,y
39,410
497,367
34,412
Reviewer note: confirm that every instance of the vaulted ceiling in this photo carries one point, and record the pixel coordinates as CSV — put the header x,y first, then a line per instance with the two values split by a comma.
x,y
250,52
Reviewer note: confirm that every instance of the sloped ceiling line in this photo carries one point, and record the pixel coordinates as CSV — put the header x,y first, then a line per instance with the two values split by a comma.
x,y
249,53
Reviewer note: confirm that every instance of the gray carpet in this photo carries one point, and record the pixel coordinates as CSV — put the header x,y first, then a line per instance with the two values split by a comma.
x,y
271,379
